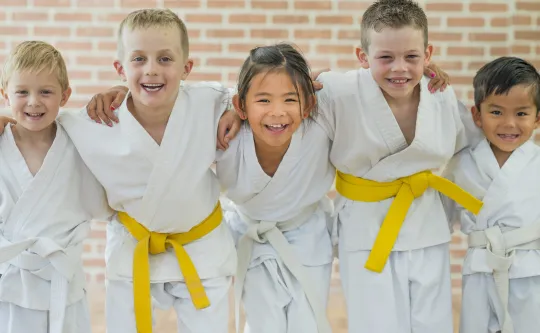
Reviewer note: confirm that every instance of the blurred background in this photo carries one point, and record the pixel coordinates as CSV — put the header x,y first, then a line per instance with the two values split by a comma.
x,y
465,34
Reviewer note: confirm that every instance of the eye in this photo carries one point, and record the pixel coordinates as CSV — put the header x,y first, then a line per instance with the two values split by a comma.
x,y
165,59
496,112
137,59
263,101
46,92
412,56
21,92
385,57
522,114
291,100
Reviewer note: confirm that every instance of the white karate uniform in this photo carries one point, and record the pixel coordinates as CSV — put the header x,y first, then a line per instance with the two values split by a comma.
x,y
293,201
413,293
511,198
169,188
43,222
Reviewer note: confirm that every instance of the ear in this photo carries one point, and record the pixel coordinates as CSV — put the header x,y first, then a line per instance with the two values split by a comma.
x,y
188,66
120,70
362,57
5,96
238,107
476,116
428,53
65,97
309,107
537,122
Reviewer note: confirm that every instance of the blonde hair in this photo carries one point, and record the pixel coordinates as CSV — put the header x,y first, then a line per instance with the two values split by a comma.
x,y
153,18
35,56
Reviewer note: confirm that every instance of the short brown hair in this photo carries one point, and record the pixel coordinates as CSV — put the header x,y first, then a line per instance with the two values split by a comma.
x,y
35,56
393,14
153,18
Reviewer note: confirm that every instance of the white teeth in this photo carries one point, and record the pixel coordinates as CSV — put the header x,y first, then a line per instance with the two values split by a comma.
x,y
152,86
34,114
398,81
277,126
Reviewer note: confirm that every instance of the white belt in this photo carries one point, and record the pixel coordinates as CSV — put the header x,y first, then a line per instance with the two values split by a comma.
x,y
272,232
500,255
34,255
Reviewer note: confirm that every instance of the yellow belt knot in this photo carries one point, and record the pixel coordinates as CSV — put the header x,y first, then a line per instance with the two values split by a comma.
x,y
417,183
158,243
404,190
150,242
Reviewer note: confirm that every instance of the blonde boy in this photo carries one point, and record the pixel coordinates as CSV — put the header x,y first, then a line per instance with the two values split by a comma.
x,y
167,247
389,134
47,199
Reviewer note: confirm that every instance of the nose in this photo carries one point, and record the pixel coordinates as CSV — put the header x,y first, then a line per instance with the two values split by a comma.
x,y
399,65
33,101
510,122
150,69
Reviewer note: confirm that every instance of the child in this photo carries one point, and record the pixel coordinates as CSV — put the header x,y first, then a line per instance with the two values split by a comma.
x,y
501,272
277,173
155,167
388,134
47,199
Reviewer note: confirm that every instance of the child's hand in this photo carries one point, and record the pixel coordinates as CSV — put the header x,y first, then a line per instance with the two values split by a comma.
x,y
4,121
102,105
228,127
314,75
439,79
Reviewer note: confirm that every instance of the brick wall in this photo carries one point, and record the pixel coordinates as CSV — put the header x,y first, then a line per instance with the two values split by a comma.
x,y
466,34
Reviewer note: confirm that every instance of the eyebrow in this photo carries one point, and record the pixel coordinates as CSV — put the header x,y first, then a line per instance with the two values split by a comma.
x,y
502,107
24,87
142,51
268,94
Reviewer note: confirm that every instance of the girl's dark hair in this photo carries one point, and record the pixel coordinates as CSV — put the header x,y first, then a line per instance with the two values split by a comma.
x,y
266,59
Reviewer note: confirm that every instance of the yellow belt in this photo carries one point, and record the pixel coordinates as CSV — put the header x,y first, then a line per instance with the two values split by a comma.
x,y
405,190
155,243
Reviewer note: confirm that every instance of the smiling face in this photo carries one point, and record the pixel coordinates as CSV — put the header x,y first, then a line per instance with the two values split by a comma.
x,y
396,58
35,98
507,120
153,65
273,108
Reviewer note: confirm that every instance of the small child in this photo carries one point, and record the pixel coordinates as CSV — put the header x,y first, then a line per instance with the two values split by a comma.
x,y
389,134
501,272
47,199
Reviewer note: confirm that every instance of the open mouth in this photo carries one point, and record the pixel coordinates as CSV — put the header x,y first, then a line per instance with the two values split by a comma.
x,y
34,115
276,128
400,81
509,137
152,87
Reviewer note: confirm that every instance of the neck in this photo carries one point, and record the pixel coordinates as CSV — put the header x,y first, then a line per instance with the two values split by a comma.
x,y
500,155
406,101
270,153
46,135
150,117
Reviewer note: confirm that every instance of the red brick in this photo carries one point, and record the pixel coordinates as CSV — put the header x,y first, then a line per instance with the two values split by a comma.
x,y
13,30
313,33
107,46
455,268
265,4
465,22
348,64
531,6
225,33
313,5
116,18
434,21
173,4
476,65
94,3
291,19
335,49
349,34
225,4
500,22
198,76
73,17
95,32
232,77
91,90
317,64
94,262
521,20
226,62
488,37
205,47
445,36
499,51
79,75
13,3
357,5
73,46
488,7
520,49
52,3
136,4
203,18
242,48
334,19
95,60
532,35
465,51
194,33
51,31
29,16
108,75
247,19
450,65
269,33
444,7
